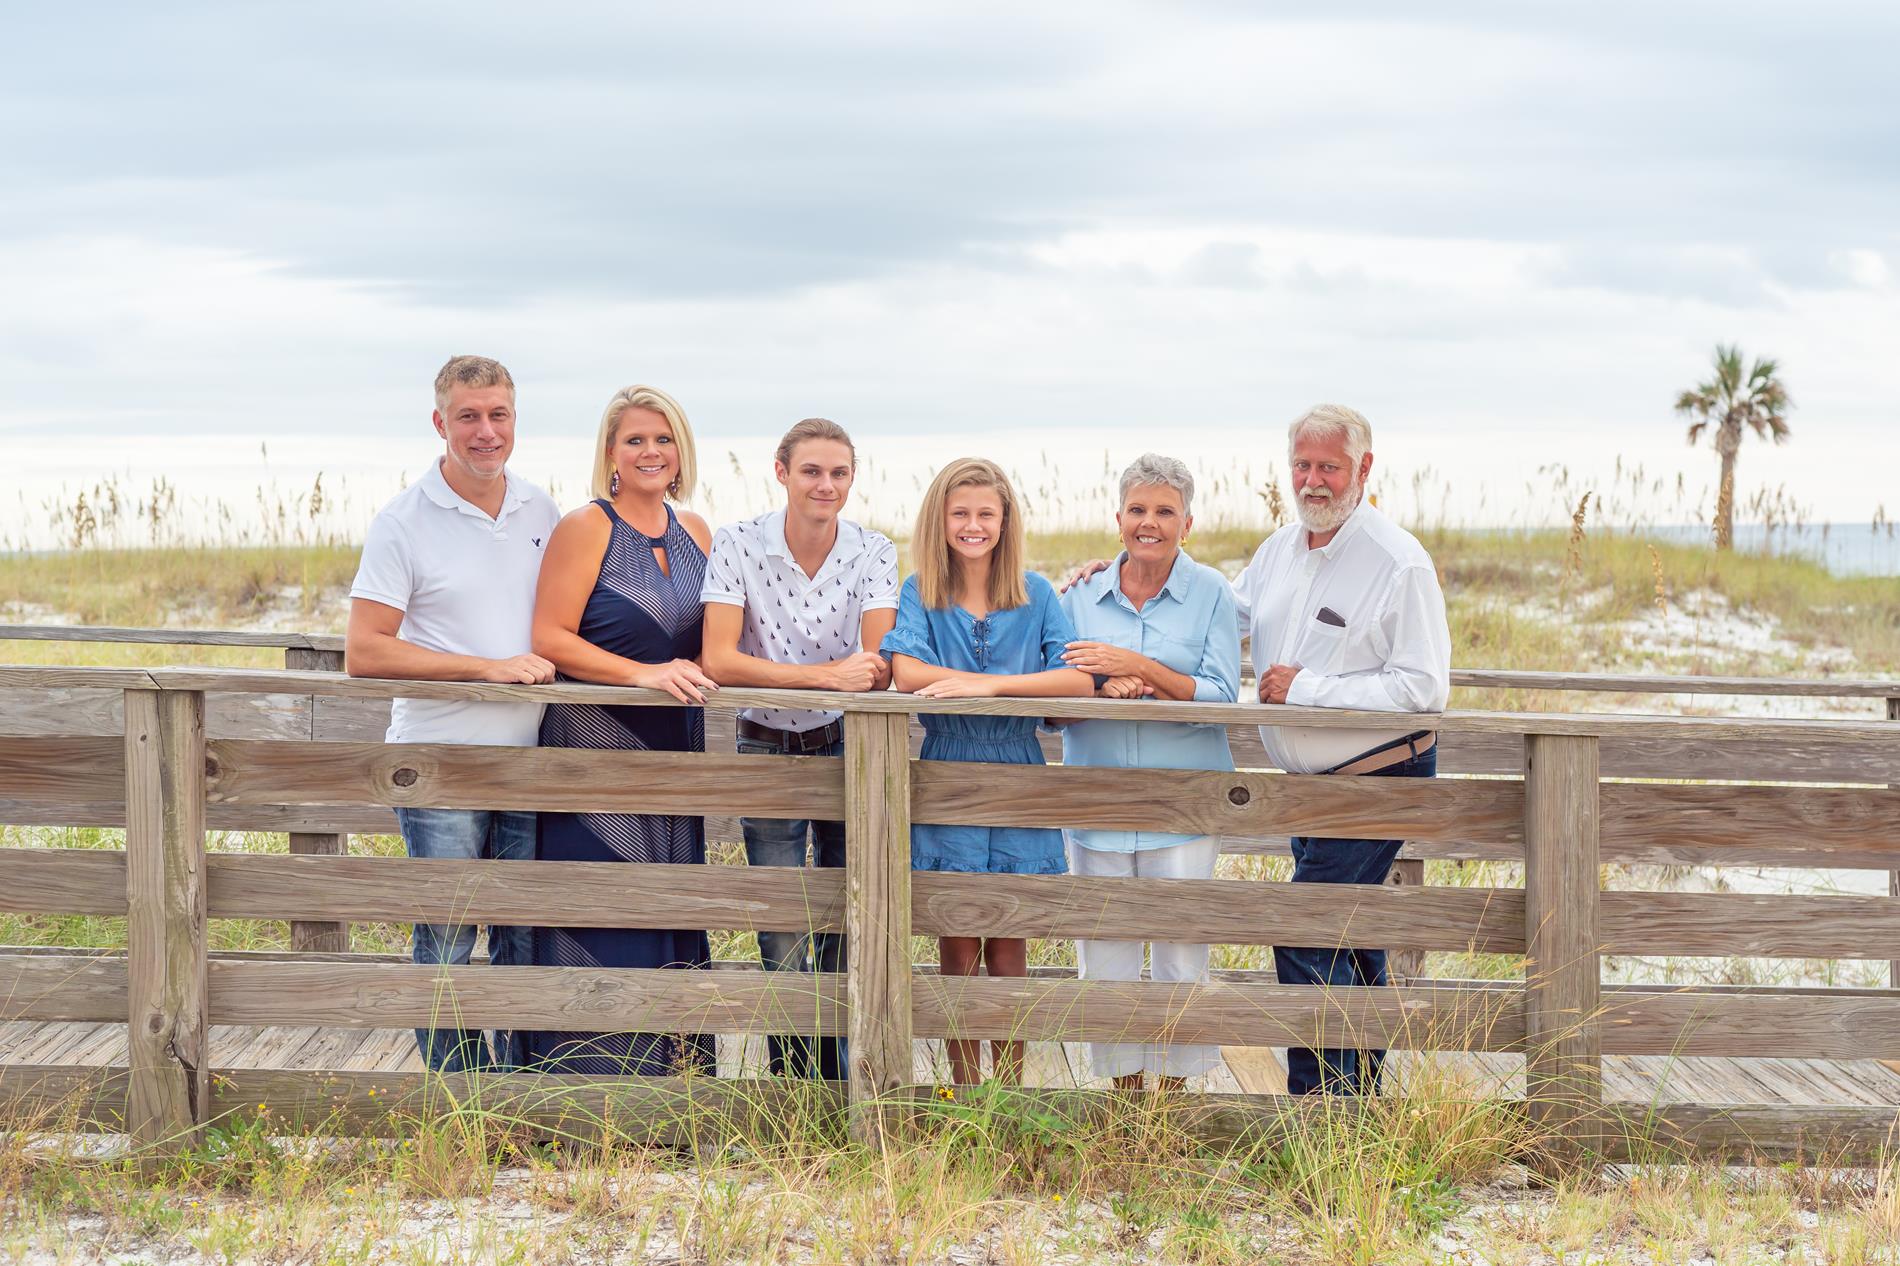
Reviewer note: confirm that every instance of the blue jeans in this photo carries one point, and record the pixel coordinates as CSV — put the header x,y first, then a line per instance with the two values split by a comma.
x,y
468,834
1332,861
781,842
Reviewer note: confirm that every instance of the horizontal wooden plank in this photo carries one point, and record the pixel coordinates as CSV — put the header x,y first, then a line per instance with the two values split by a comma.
x,y
1218,911
547,894
548,778
1822,827
563,999
1762,925
70,986
1202,802
1885,736
257,818
1780,1024
62,881
1664,684
58,770
1753,1134
662,1110
1217,1013
36,1097
70,710
1666,755
1475,678
669,1111
166,637
365,720
43,676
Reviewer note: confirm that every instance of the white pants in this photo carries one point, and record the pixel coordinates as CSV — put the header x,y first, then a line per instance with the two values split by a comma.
x,y
1121,960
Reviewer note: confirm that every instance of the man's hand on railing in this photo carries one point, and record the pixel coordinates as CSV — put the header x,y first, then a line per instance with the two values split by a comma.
x,y
518,670
1274,685
863,671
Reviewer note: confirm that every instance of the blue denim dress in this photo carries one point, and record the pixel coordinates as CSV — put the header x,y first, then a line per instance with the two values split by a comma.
x,y
1025,639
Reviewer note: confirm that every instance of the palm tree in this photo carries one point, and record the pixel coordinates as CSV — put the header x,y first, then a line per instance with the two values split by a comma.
x,y
1725,404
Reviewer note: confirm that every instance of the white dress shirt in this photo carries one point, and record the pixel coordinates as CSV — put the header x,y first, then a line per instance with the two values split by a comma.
x,y
1392,654
792,618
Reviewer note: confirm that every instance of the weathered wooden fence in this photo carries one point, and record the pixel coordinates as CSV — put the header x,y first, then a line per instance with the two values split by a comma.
x,y
169,752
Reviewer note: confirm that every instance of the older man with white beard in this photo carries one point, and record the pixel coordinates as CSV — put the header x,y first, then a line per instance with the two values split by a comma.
x,y
1344,611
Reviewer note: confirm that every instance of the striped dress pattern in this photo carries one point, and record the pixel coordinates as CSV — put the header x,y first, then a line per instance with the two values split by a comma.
x,y
646,614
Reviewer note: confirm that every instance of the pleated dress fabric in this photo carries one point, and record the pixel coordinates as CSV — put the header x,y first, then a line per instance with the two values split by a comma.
x,y
643,613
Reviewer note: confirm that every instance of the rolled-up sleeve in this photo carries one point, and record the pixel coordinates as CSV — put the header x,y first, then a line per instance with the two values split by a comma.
x,y
1416,675
1217,677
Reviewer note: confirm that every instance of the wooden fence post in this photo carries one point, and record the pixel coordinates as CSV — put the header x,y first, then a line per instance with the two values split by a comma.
x,y
1404,966
315,937
877,914
167,1038
1563,1040
1893,876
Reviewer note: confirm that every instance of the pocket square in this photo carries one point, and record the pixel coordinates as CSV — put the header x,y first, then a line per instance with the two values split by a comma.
x,y
1327,615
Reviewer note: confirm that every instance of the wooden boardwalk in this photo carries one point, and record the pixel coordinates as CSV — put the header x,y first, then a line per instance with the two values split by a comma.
x,y
1641,1079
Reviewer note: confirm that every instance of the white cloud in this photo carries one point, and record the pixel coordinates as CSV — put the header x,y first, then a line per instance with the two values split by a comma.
x,y
1507,234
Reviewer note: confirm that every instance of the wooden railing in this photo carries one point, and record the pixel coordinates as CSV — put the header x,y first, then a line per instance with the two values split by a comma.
x,y
200,748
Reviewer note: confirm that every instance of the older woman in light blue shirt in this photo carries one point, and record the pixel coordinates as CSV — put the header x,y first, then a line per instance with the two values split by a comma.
x,y
1159,625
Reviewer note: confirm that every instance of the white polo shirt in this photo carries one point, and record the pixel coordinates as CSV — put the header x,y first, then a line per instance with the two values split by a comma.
x,y
465,584
1393,653
792,618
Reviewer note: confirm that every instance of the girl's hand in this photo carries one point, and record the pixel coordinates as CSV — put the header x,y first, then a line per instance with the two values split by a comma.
x,y
1104,660
963,686
680,678
1124,688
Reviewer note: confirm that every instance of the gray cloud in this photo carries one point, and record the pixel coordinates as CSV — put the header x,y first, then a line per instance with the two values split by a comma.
x,y
481,154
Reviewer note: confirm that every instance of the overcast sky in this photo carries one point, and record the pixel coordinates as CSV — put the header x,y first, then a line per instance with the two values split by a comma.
x,y
1508,234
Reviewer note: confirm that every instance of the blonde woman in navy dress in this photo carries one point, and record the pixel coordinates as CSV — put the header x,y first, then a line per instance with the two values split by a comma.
x,y
971,624
619,604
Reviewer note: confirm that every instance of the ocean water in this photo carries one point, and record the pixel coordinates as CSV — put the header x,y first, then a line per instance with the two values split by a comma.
x,y
1846,549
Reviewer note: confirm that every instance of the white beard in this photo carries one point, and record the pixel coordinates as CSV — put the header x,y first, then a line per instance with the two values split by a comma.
x,y
1328,515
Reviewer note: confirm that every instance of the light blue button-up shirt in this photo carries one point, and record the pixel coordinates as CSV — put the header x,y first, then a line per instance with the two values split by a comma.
x,y
1189,627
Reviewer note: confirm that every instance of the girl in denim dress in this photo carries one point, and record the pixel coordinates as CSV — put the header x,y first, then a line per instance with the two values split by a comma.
x,y
971,624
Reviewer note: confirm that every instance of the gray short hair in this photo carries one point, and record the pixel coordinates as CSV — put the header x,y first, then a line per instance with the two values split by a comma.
x,y
1331,422
1151,469
469,371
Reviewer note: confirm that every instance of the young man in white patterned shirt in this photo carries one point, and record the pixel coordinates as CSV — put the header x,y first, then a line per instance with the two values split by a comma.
x,y
800,598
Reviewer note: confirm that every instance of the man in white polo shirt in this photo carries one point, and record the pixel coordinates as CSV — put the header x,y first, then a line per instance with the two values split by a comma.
x,y
1344,610
800,598
445,592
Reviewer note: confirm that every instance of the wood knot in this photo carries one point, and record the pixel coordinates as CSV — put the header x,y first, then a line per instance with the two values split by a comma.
x,y
404,777
1238,795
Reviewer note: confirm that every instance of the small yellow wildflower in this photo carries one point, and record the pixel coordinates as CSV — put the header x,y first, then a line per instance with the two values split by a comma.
x,y
946,1093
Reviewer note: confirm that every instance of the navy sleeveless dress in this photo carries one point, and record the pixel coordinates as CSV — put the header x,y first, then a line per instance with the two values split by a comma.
x,y
649,615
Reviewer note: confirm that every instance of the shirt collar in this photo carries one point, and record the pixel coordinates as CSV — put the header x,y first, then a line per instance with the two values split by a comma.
x,y
435,486
850,539
1354,524
1176,586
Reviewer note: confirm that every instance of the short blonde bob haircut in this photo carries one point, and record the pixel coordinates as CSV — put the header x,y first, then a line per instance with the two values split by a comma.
x,y
639,397
930,555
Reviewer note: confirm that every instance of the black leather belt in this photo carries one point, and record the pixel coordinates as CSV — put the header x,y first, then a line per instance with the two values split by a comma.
x,y
797,742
